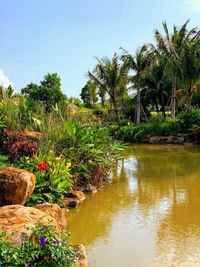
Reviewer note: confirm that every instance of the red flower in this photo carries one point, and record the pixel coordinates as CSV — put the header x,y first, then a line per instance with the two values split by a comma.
x,y
42,166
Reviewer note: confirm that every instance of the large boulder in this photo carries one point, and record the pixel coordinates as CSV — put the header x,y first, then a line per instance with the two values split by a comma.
x,y
146,139
158,140
176,140
16,186
54,211
17,218
81,254
73,199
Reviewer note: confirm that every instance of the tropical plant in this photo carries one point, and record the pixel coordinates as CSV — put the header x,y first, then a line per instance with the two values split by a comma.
x,y
45,248
170,47
138,64
53,177
111,77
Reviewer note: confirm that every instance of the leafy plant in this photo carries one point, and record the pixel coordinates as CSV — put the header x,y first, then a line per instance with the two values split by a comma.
x,y
23,148
53,177
43,249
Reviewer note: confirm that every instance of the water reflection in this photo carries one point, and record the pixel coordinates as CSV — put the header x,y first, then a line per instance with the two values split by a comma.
x,y
149,215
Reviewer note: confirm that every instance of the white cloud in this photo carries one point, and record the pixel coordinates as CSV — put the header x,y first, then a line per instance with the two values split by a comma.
x,y
4,80
193,3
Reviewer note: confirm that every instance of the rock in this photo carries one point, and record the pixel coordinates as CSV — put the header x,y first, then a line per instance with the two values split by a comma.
x,y
146,139
76,194
158,140
188,144
16,186
90,189
54,211
16,218
175,140
82,256
73,199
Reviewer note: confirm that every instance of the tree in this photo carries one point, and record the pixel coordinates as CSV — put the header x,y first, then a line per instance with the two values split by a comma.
x,y
138,64
48,91
156,86
190,61
89,94
111,76
170,47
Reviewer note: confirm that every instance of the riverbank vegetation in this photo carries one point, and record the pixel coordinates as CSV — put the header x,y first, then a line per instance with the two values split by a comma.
x,y
43,249
68,143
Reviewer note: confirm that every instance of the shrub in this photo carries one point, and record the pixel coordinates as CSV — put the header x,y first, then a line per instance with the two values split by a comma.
x,y
189,120
44,249
99,111
3,125
9,138
53,177
23,148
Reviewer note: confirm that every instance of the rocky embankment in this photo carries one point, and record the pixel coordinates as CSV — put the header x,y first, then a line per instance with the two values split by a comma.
x,y
16,186
180,139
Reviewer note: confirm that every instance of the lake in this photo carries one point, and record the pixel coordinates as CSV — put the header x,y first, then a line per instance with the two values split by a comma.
x,y
148,215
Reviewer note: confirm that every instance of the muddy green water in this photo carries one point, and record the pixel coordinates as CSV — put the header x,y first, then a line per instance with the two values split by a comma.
x,y
149,216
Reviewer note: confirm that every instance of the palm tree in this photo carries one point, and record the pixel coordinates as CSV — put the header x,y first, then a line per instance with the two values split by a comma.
x,y
190,59
138,64
156,85
170,47
111,76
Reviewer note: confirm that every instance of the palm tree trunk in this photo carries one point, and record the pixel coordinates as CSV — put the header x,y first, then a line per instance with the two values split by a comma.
x,y
173,114
163,105
115,108
189,98
138,104
103,101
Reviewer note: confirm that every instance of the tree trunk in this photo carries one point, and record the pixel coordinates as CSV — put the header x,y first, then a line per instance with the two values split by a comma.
x,y
115,108
137,117
163,105
189,98
103,101
173,108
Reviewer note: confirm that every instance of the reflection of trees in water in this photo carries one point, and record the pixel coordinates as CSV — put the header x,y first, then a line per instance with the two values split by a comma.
x,y
163,175
96,215
159,174
179,229
172,177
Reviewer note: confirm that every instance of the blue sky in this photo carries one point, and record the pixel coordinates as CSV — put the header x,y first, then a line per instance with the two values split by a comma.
x,y
40,36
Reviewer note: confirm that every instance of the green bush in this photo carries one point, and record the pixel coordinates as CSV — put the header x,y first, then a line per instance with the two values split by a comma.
x,y
156,126
99,111
44,249
53,178
189,120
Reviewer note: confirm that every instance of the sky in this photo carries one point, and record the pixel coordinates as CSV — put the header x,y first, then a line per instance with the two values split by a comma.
x,y
65,36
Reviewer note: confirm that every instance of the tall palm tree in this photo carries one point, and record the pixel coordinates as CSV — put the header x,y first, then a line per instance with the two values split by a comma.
x,y
156,85
190,59
138,64
111,76
170,47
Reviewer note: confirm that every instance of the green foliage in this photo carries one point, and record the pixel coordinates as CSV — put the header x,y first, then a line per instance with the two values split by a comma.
x,y
156,126
45,249
3,161
189,120
86,146
99,111
48,92
89,94
51,182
